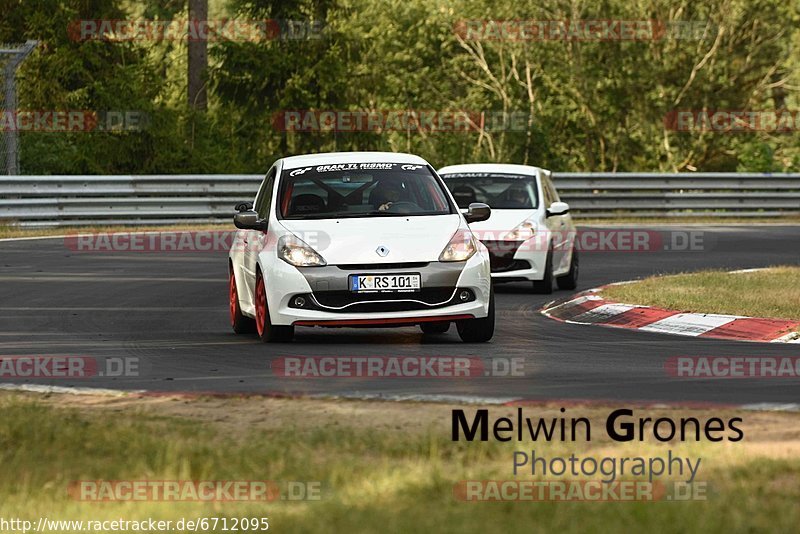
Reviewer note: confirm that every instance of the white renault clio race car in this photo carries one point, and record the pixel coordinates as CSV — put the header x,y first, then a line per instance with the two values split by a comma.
x,y
530,234
358,239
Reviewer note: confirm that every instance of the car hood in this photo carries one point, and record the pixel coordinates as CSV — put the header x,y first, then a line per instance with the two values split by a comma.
x,y
500,221
356,240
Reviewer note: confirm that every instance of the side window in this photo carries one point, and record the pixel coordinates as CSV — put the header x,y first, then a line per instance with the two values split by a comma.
x,y
553,192
547,192
265,195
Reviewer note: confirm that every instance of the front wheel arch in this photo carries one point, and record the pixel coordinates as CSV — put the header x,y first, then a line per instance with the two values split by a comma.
x,y
267,332
240,323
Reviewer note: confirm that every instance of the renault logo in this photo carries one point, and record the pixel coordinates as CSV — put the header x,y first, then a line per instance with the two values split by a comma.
x,y
382,251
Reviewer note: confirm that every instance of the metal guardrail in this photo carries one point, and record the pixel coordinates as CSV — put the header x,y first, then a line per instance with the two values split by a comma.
x,y
149,200
614,195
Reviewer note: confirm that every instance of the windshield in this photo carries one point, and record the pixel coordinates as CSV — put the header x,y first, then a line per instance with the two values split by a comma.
x,y
361,190
498,190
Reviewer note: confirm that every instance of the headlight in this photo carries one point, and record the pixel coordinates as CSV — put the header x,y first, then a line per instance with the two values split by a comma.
x,y
523,232
295,251
461,247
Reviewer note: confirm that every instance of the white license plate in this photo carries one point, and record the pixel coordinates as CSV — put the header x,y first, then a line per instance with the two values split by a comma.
x,y
385,282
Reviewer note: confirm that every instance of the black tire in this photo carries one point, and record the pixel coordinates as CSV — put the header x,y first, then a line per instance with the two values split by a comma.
x,y
570,280
241,323
545,285
478,330
435,327
266,331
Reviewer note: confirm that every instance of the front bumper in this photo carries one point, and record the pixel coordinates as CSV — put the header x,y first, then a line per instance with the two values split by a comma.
x,y
328,301
516,260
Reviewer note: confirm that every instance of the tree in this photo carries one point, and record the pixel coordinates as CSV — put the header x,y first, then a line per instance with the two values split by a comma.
x,y
198,56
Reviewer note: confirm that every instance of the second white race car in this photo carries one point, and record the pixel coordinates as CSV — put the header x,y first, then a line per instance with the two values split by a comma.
x,y
530,234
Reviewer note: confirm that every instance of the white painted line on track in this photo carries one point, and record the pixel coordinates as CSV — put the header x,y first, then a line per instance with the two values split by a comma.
x,y
415,397
39,388
772,407
88,279
689,324
121,309
129,232
791,337
36,238
623,283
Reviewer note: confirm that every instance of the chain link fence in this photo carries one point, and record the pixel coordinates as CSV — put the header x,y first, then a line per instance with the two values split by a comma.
x,y
11,57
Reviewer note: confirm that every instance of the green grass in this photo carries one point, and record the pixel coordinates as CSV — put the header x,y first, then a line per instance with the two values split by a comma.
x,y
392,479
772,293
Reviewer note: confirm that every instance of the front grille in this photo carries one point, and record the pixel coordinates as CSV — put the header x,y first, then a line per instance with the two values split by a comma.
x,y
337,299
382,266
501,256
349,302
514,265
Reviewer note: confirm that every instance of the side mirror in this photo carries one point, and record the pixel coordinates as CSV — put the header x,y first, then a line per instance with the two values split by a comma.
x,y
248,220
477,212
558,208
244,206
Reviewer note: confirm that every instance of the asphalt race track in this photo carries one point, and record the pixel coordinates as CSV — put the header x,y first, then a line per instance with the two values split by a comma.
x,y
170,311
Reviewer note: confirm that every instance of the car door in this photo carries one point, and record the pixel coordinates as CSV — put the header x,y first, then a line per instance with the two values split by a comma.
x,y
557,225
567,230
255,240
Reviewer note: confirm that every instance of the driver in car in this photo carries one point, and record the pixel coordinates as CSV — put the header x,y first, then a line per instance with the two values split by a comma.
x,y
387,192
518,197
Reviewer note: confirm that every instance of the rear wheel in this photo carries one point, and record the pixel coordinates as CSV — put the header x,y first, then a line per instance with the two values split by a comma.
x,y
266,330
435,327
545,285
240,323
478,330
570,280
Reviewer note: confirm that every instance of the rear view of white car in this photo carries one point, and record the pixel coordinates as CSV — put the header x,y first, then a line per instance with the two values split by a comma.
x,y
530,235
358,239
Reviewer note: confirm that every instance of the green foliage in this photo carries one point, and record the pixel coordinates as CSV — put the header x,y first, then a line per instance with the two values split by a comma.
x,y
757,157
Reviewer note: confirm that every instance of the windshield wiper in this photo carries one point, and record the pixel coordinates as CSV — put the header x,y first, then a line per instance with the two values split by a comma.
x,y
372,213
363,214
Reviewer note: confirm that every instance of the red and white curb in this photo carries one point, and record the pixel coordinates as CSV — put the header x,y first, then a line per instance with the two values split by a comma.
x,y
590,308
